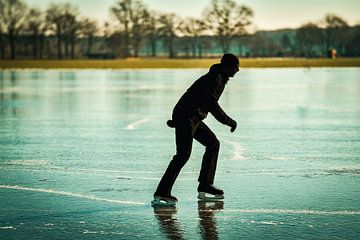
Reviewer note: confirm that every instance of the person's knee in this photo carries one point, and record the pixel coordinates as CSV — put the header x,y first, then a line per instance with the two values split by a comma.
x,y
182,158
185,156
215,144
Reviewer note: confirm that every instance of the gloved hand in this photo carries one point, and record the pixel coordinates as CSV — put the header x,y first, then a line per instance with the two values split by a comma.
x,y
170,123
233,125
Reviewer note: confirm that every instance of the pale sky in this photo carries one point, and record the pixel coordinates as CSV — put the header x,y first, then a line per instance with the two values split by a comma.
x,y
269,14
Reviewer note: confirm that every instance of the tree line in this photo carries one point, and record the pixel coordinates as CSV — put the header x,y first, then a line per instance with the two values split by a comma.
x,y
61,32
333,32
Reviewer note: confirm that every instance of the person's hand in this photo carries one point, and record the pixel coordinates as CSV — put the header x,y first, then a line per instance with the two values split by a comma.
x,y
233,125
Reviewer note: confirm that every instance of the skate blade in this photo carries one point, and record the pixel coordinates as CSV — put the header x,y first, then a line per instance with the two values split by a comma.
x,y
162,202
206,197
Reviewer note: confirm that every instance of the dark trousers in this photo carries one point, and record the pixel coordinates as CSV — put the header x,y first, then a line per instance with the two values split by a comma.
x,y
184,139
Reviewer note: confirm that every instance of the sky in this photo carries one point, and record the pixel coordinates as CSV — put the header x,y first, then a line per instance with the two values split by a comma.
x,y
269,14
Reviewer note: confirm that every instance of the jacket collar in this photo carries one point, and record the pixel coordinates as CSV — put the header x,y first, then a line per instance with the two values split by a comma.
x,y
216,69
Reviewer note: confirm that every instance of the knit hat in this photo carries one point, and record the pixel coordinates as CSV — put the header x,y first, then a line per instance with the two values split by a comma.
x,y
229,59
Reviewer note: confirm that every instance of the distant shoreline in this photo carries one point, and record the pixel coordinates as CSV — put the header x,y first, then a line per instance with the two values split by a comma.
x,y
165,63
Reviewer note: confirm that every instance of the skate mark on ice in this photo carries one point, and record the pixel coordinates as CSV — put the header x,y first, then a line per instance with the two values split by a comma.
x,y
238,150
69,169
293,211
281,158
110,174
76,195
8,227
135,124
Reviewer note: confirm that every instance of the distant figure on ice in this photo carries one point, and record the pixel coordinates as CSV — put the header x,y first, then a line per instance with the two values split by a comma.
x,y
202,97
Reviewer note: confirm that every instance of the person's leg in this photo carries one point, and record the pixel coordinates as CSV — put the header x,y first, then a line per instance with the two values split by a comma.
x,y
207,138
184,138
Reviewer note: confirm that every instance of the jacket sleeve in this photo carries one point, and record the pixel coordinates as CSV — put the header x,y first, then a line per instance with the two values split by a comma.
x,y
213,105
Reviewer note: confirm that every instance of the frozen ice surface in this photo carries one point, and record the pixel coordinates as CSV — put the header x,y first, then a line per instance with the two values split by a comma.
x,y
81,153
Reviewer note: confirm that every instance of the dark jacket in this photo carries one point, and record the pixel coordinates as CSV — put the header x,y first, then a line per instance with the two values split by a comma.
x,y
202,97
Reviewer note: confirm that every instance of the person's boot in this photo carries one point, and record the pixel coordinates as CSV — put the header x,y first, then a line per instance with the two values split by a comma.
x,y
208,192
163,200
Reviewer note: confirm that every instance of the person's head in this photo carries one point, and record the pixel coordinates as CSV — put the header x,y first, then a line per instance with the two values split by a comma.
x,y
229,64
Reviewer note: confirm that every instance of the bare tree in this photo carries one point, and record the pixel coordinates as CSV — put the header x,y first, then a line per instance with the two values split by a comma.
x,y
107,33
2,30
169,26
44,27
12,17
151,30
226,20
68,26
132,15
71,28
2,44
335,29
122,11
192,29
37,26
140,16
62,21
89,28
55,19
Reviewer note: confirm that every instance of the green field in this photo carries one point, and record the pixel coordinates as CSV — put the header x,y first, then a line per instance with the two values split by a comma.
x,y
138,63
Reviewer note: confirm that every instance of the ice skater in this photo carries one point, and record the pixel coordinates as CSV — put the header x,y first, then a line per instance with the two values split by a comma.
x,y
187,119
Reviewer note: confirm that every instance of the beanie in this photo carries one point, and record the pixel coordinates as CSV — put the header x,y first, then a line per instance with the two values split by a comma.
x,y
229,59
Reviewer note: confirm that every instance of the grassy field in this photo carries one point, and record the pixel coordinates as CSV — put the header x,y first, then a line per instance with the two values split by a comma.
x,y
138,63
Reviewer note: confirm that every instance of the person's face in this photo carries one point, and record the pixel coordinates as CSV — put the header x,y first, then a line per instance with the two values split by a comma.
x,y
232,70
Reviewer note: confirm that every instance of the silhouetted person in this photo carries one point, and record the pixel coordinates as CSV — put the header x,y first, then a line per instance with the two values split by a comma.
x,y
202,97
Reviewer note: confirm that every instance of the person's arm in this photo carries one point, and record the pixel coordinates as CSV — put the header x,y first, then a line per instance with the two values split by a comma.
x,y
214,107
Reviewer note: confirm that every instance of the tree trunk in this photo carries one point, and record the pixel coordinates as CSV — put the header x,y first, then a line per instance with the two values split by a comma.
x,y
89,45
153,47
41,45
126,40
194,46
12,44
199,50
35,45
171,46
171,51
136,50
59,40
66,41
226,47
224,43
193,49
72,45
2,45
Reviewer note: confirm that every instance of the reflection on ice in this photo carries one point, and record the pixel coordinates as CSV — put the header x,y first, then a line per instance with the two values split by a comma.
x,y
207,220
168,222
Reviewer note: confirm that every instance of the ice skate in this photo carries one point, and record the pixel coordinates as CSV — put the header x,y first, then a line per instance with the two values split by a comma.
x,y
210,193
164,200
